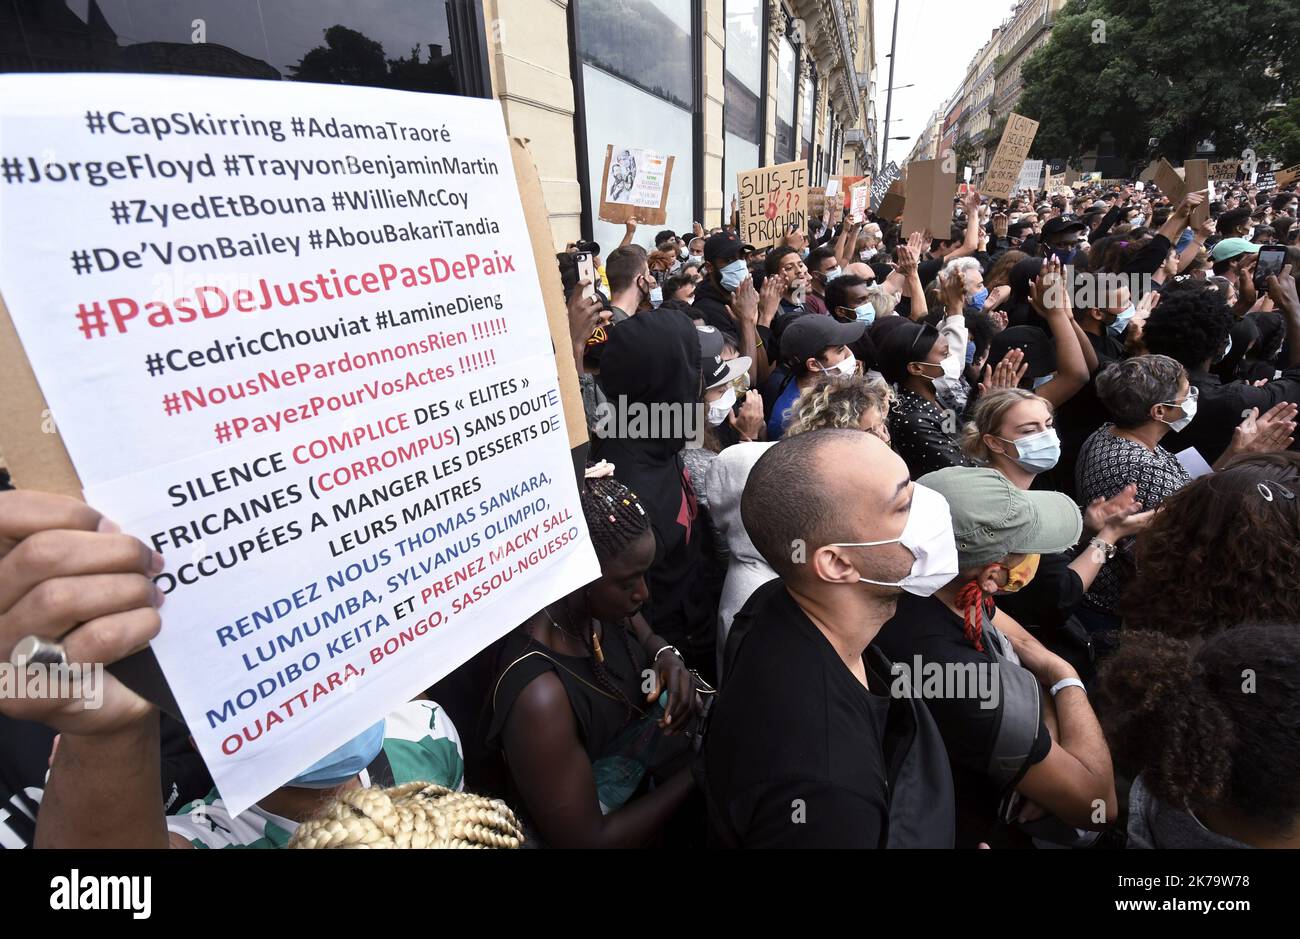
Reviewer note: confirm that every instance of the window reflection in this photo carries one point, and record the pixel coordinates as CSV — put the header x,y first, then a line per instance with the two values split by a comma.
x,y
646,43
403,44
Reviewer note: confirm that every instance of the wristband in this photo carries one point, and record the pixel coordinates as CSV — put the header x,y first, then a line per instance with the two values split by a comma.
x,y
663,649
1068,683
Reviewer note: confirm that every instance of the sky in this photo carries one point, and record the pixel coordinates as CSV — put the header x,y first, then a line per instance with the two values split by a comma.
x,y
936,41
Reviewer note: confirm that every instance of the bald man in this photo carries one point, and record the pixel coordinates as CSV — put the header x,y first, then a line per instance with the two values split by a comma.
x,y
805,747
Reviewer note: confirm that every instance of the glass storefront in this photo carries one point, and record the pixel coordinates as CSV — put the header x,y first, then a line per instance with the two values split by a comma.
x,y
786,83
412,45
638,84
742,110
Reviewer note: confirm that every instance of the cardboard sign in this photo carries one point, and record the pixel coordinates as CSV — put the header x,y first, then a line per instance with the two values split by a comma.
x,y
817,201
1003,174
635,184
1196,178
1287,176
847,184
1225,171
894,201
338,429
773,202
1170,181
930,192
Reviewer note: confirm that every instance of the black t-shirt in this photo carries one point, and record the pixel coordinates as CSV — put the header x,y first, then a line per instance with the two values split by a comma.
x,y
24,764
925,628
799,754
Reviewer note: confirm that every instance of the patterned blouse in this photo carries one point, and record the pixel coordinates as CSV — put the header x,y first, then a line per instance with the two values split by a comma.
x,y
923,434
1107,464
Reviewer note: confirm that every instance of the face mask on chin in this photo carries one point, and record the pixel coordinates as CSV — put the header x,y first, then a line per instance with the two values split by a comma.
x,y
929,536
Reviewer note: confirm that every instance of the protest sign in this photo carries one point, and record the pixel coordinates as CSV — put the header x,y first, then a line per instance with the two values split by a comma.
x,y
635,184
894,202
817,201
847,185
882,183
1196,178
860,199
1030,174
1286,177
930,191
1225,171
1170,181
1266,179
1004,171
773,202
301,356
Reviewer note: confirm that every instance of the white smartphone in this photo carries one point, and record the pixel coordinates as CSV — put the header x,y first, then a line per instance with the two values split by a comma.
x,y
587,272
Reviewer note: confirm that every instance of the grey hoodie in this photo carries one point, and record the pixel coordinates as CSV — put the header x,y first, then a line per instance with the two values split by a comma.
x,y
1154,824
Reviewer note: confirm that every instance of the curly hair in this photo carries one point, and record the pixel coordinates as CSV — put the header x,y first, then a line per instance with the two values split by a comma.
x,y
1199,734
414,815
1191,324
1000,275
838,402
1227,547
989,413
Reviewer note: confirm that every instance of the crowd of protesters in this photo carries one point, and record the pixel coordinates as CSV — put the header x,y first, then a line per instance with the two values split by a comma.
x,y
981,537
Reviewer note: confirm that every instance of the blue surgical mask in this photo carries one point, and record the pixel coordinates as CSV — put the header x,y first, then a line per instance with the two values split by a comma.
x,y
343,764
656,297
1040,382
1121,321
976,300
804,254
831,275
865,314
733,275
1066,255
1037,453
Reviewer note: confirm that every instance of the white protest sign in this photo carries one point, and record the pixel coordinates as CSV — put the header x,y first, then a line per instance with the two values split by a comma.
x,y
301,351
1030,173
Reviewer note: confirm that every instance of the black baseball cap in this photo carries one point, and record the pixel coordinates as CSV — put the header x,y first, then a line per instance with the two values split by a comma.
x,y
723,246
812,334
1060,225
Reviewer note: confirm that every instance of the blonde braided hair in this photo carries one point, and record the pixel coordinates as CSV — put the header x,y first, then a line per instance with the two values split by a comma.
x,y
413,815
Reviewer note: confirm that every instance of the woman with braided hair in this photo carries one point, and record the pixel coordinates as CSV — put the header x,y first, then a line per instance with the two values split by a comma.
x,y
414,815
578,709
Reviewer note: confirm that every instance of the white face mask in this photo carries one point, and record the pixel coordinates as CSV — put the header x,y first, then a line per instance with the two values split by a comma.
x,y
846,367
656,296
929,536
720,410
1188,408
866,254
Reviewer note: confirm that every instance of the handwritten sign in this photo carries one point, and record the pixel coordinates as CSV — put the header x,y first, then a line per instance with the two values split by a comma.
x,y
1286,177
884,183
1004,170
1224,171
773,202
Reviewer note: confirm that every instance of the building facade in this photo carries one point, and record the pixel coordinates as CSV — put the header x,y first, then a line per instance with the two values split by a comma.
x,y
722,85
1028,28
980,82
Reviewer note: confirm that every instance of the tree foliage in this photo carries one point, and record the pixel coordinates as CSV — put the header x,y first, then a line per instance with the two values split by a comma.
x,y
1182,71
1282,134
